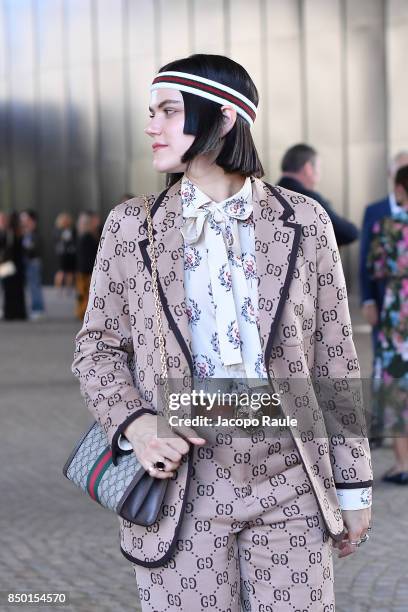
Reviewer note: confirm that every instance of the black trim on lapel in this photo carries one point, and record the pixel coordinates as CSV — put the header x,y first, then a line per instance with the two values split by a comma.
x,y
147,261
297,227
154,208
288,211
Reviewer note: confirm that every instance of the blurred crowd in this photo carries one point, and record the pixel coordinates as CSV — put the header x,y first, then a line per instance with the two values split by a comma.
x,y
76,244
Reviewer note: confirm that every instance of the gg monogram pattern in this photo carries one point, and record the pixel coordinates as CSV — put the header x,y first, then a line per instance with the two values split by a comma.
x,y
252,539
304,326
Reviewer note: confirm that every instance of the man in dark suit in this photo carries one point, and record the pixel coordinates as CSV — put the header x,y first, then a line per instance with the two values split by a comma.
x,y
372,291
301,173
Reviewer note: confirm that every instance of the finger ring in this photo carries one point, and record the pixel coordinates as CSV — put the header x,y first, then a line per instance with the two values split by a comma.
x,y
159,465
364,539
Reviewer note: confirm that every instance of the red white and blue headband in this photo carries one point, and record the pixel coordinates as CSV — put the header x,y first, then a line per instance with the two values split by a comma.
x,y
206,88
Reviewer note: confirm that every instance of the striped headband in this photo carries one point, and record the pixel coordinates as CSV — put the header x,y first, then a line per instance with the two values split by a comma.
x,y
206,88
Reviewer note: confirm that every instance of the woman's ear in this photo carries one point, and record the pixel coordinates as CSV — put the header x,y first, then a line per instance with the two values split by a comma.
x,y
229,116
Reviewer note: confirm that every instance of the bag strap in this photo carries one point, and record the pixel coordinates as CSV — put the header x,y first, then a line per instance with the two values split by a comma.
x,y
157,304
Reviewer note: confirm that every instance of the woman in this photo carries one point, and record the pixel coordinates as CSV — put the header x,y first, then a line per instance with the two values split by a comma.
x,y
14,306
388,260
237,265
65,248
86,247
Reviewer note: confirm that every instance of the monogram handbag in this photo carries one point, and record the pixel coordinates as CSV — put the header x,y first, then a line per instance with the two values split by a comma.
x,y
125,488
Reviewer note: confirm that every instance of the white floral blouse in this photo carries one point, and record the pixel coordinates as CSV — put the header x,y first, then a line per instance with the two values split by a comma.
x,y
220,282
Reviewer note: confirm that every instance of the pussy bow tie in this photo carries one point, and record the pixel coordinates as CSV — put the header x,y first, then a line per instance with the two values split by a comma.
x,y
217,216
217,223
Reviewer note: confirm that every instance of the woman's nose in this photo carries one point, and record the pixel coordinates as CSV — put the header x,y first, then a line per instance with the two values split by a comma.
x,y
152,129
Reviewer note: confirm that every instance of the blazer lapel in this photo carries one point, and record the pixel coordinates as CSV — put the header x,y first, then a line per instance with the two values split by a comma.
x,y
167,221
276,245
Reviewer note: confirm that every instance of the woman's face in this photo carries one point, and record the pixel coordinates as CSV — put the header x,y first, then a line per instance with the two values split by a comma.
x,y
166,130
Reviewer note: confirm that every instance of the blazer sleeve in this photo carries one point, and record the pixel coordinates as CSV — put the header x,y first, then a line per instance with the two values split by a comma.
x,y
104,346
336,369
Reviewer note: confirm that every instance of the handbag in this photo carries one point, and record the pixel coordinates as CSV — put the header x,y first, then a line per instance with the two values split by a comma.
x,y
7,268
125,488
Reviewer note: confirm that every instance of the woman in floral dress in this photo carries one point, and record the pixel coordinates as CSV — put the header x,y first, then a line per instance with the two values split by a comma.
x,y
388,260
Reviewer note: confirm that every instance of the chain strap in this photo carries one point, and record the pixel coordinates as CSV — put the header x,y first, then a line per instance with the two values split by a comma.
x,y
157,305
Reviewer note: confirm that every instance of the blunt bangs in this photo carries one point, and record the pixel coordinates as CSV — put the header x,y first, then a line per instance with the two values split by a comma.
x,y
204,119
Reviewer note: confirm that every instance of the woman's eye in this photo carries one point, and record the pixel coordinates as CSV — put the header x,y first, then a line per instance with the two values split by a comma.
x,y
169,111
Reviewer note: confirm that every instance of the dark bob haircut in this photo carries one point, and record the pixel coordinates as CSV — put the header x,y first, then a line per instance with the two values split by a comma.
x,y
401,178
297,156
204,119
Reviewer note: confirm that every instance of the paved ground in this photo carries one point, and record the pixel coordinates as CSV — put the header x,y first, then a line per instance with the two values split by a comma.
x,y
53,539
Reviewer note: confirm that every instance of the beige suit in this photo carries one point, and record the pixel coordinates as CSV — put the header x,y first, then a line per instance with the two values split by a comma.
x,y
304,326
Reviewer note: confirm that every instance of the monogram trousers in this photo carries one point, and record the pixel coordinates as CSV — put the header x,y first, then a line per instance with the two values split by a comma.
x,y
252,536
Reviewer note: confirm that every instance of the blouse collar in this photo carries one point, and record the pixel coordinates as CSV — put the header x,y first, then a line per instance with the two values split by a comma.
x,y
193,198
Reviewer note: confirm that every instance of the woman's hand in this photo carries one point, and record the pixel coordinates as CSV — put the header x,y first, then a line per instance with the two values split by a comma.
x,y
149,447
357,523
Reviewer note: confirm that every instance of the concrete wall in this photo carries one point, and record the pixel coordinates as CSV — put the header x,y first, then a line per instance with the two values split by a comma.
x,y
74,92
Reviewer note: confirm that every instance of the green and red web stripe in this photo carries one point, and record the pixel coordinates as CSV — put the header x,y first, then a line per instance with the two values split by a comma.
x,y
211,89
96,473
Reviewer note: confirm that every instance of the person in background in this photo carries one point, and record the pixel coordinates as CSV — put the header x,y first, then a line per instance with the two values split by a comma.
x,y
32,263
3,247
3,235
372,289
387,260
88,230
65,248
3,231
14,307
96,225
301,171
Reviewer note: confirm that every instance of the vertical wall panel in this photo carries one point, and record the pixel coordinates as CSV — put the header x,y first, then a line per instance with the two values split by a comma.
x,y
366,106
283,79
141,68
51,118
174,30
82,116
111,102
208,27
3,42
322,65
5,173
245,48
51,83
366,102
20,27
397,54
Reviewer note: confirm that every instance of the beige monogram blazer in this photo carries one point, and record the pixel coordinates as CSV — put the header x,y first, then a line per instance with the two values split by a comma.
x,y
305,332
